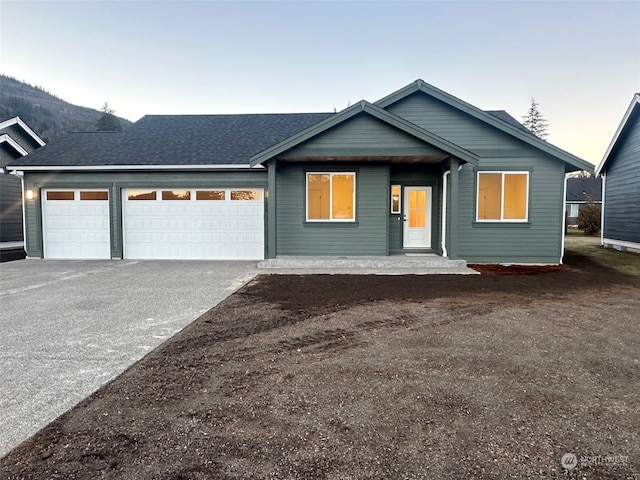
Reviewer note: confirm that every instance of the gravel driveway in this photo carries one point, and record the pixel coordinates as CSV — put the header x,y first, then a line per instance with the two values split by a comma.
x,y
69,327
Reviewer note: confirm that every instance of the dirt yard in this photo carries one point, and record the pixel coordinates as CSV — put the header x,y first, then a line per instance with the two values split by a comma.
x,y
365,377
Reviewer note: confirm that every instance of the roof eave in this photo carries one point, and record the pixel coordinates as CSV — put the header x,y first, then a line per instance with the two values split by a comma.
x,y
632,106
18,121
43,168
5,138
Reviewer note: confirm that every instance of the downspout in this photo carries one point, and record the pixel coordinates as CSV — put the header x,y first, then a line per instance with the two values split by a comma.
x,y
604,186
564,219
443,242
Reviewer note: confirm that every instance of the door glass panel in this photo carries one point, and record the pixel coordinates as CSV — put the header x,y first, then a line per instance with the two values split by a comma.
x,y
245,194
94,195
176,195
210,195
417,208
68,195
141,195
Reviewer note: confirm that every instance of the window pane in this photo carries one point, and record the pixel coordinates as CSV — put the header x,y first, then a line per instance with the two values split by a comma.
x,y
343,187
142,195
94,195
60,195
245,194
395,199
489,195
515,196
318,196
210,195
176,195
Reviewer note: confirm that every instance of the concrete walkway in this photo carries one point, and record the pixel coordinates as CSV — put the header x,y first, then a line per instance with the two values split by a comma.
x,y
68,327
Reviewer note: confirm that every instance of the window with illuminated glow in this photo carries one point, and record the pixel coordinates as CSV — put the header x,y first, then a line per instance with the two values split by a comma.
x,y
503,196
331,196
395,199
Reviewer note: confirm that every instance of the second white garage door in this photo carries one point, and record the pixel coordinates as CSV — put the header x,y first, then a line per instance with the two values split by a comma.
x,y
196,224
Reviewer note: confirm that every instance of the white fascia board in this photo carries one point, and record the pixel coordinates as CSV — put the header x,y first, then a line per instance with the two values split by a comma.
x,y
24,126
77,168
15,145
635,102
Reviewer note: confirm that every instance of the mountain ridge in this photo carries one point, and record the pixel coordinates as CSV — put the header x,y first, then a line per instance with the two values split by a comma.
x,y
48,115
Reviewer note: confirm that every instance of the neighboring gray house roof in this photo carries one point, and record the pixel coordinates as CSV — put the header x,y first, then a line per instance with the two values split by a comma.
x,y
579,189
634,108
174,140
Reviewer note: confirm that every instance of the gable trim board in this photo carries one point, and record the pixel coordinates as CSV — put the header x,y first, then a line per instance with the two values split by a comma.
x,y
381,147
635,103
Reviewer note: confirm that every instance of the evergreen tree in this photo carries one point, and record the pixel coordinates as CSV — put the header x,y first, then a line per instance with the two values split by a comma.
x,y
108,122
534,122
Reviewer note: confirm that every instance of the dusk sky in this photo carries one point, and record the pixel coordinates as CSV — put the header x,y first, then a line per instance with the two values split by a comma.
x,y
579,60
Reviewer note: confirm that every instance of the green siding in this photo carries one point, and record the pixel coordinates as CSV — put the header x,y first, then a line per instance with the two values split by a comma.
x,y
538,240
367,236
622,189
458,127
115,182
362,136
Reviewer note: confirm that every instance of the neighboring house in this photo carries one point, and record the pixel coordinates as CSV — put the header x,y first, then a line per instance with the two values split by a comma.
x,y
579,192
620,170
419,171
16,141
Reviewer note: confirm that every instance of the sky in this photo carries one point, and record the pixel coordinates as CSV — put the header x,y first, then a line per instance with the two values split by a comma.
x,y
579,60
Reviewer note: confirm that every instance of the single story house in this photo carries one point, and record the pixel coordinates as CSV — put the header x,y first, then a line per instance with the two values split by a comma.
x,y
579,192
17,139
418,171
619,170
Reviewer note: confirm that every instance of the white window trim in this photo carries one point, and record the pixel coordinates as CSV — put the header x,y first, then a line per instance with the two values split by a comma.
x,y
502,219
330,219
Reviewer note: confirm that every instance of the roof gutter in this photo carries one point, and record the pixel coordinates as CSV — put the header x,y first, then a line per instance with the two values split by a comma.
x,y
93,168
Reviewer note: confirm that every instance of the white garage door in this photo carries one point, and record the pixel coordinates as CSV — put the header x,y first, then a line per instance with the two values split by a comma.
x,y
76,224
197,224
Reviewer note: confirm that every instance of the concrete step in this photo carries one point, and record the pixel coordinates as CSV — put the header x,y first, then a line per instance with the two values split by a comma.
x,y
395,262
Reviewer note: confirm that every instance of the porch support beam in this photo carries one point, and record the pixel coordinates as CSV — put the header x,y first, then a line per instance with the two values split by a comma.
x,y
453,210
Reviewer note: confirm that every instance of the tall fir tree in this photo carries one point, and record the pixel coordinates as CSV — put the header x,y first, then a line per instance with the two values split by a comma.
x,y
535,122
108,122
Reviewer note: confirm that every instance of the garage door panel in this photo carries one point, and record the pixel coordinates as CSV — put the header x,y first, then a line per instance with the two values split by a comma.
x,y
198,228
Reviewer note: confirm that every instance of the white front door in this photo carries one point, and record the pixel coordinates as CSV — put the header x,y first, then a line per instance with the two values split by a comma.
x,y
417,217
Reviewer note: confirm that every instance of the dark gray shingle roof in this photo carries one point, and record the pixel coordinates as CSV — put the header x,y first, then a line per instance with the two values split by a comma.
x,y
175,140
505,117
578,189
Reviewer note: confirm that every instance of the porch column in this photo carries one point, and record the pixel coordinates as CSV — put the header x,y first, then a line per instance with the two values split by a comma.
x,y
453,210
271,209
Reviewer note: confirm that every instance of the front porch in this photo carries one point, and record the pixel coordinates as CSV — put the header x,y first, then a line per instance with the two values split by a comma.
x,y
417,264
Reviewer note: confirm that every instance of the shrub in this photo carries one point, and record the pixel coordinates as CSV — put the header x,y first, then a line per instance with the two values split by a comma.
x,y
589,218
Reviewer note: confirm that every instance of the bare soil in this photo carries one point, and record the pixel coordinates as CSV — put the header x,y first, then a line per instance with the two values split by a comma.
x,y
374,377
